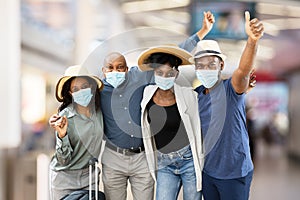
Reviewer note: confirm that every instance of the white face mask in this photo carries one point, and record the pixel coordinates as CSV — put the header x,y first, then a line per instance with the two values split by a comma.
x,y
115,78
208,77
83,96
164,83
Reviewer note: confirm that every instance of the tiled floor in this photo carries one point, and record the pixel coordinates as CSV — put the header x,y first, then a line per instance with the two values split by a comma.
x,y
275,176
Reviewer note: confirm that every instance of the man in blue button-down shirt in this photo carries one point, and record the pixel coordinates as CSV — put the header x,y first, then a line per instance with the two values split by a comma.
x,y
124,158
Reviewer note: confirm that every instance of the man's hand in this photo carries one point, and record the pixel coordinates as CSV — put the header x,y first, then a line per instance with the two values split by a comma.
x,y
252,81
208,21
254,28
207,24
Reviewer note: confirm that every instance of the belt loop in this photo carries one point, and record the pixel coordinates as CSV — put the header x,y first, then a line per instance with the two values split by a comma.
x,y
124,152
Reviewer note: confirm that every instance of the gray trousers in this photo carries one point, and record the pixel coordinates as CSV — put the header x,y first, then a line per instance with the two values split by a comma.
x,y
118,169
66,182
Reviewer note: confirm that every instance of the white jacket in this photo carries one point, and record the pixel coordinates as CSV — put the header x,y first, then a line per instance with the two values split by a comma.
x,y
187,104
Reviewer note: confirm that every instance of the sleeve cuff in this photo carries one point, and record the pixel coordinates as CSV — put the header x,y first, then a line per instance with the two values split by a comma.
x,y
195,37
62,142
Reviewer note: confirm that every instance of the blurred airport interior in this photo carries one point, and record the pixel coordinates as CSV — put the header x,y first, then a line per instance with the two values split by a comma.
x,y
41,38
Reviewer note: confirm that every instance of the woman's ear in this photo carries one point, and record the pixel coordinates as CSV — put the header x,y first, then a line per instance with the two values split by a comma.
x,y
177,73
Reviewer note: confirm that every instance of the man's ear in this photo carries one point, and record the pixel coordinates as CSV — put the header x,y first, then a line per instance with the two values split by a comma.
x,y
222,65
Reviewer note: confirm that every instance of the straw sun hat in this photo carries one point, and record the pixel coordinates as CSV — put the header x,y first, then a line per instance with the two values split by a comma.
x,y
74,71
170,49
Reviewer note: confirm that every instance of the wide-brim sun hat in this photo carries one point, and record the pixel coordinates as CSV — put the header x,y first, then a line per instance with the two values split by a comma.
x,y
182,54
207,48
74,71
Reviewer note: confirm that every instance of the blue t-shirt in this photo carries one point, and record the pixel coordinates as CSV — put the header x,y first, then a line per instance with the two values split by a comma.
x,y
223,124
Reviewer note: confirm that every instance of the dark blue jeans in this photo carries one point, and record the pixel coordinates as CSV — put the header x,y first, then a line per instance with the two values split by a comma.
x,y
226,189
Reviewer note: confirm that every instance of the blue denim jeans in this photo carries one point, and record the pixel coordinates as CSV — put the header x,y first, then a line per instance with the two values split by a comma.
x,y
176,169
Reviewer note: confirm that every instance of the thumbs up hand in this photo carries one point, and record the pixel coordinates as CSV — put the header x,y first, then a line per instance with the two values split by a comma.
x,y
254,28
208,21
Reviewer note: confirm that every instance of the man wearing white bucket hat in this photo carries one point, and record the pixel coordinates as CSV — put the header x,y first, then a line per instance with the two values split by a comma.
x,y
228,167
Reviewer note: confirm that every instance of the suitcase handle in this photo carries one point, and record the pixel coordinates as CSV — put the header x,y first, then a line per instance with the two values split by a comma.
x,y
93,161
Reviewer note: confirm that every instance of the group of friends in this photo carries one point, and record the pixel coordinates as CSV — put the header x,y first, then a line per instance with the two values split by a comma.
x,y
156,134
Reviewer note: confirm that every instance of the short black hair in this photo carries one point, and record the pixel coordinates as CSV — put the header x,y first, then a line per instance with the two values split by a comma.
x,y
157,59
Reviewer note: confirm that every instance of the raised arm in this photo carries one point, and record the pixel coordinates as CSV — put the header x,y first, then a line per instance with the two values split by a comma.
x,y
240,78
207,24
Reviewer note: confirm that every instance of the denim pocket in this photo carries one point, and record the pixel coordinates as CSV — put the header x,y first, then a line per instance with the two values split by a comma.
x,y
187,155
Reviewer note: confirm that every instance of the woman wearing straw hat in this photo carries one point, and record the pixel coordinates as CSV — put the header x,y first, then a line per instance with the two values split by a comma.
x,y
171,126
78,132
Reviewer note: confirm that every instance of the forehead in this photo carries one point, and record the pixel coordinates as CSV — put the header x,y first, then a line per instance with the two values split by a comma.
x,y
163,67
115,58
79,81
206,59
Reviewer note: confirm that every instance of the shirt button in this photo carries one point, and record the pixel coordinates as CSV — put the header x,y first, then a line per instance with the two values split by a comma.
x,y
131,136
129,122
121,95
125,108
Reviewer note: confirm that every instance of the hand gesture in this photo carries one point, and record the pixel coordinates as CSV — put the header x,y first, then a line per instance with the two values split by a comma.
x,y
252,81
61,125
208,21
207,24
254,28
53,119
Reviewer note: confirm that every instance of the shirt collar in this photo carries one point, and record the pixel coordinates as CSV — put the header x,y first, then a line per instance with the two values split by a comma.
x,y
69,111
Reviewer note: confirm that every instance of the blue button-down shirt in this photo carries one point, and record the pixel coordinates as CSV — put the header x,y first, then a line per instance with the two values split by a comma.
x,y
121,106
121,109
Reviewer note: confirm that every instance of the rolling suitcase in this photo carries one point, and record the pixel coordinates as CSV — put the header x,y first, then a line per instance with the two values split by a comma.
x,y
88,194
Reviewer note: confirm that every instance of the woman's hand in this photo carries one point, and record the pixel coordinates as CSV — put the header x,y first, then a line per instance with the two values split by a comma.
x,y
61,126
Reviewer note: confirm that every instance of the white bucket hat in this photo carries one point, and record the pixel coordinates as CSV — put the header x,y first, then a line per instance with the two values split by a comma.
x,y
207,48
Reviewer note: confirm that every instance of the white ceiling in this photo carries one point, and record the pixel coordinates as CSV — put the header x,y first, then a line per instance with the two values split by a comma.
x,y
278,51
